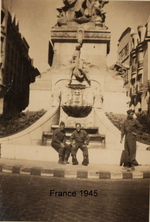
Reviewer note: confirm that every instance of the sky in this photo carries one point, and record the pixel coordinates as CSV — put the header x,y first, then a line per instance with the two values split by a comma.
x,y
37,17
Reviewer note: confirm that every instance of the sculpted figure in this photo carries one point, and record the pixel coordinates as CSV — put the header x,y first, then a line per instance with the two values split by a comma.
x,y
98,100
99,11
69,5
77,69
81,11
91,8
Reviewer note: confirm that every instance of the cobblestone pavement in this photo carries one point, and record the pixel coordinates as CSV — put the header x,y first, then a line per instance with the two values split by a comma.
x,y
99,171
27,198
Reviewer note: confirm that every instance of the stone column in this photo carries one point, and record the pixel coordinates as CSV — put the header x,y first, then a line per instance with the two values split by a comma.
x,y
134,40
141,32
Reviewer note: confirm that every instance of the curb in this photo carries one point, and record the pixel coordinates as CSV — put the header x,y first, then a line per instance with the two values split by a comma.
x,y
80,174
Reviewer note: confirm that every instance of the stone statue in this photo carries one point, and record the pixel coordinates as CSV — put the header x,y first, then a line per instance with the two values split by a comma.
x,y
77,68
94,8
81,11
66,12
68,4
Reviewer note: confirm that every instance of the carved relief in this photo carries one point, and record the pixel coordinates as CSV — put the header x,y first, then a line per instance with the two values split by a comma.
x,y
77,106
77,101
81,11
87,35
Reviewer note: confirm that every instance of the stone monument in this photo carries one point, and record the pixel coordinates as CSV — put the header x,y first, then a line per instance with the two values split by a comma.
x,y
79,45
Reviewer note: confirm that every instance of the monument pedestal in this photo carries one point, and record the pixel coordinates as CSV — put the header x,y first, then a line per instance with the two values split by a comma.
x,y
96,45
74,43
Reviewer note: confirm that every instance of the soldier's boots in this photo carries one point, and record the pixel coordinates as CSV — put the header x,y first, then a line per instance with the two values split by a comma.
x,y
74,160
132,168
85,161
66,159
60,161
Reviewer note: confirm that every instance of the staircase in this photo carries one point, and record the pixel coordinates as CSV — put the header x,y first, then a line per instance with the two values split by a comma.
x,y
96,140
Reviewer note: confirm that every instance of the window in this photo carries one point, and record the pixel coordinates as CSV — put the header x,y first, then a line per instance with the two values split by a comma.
x,y
126,78
126,50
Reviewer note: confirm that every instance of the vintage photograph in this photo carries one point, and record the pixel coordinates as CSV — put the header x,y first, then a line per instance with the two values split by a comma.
x,y
75,111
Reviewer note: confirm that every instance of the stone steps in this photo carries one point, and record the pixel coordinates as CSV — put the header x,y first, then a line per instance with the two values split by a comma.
x,y
92,144
93,137
96,138
47,153
89,130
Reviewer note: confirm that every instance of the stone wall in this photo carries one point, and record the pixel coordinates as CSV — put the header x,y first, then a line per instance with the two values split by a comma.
x,y
39,99
32,136
115,102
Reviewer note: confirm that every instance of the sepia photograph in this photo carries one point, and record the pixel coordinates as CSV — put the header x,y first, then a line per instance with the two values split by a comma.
x,y
75,111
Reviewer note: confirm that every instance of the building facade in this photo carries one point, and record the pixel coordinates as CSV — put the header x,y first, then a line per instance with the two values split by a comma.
x,y
134,54
123,61
17,70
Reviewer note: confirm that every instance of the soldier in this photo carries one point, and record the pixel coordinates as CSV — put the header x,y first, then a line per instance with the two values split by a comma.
x,y
60,145
81,139
129,129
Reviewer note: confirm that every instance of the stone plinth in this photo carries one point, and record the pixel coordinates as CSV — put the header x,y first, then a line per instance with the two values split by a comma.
x,y
96,46
99,36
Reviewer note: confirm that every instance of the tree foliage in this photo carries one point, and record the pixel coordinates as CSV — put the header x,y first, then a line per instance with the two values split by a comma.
x,y
142,117
10,125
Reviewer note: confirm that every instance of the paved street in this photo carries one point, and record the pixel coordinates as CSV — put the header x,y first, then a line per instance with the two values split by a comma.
x,y
27,198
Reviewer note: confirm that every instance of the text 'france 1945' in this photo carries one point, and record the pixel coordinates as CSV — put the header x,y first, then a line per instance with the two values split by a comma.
x,y
81,193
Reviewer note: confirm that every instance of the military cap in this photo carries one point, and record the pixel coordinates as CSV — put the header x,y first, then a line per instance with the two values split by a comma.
x,y
62,123
130,111
78,124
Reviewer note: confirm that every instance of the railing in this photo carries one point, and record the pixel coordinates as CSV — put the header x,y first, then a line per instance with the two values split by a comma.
x,y
133,91
140,88
140,64
133,69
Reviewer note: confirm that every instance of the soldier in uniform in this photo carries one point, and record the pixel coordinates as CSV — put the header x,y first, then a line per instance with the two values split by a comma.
x,y
79,139
60,145
129,130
